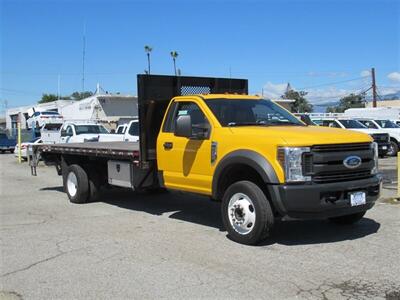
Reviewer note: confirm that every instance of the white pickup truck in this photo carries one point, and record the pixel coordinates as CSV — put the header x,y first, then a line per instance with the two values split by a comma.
x,y
71,132
125,133
379,136
385,126
81,132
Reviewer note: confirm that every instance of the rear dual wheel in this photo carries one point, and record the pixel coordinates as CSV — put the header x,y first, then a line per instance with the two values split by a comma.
x,y
78,186
246,213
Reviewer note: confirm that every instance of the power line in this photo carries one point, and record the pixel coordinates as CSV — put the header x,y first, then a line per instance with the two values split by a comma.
x,y
331,83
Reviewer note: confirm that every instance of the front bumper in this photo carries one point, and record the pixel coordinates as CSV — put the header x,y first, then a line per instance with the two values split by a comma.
x,y
6,148
309,201
383,148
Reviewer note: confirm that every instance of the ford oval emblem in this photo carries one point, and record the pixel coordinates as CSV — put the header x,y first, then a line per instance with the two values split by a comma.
x,y
352,162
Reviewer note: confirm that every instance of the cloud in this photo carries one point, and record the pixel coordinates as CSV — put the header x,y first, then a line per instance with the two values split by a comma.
x,y
321,96
272,90
394,76
365,73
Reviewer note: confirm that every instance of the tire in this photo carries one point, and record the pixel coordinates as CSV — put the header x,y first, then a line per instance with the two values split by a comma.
x,y
244,202
76,184
348,219
12,151
393,149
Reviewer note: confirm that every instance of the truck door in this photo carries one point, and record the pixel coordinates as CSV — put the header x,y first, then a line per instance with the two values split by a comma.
x,y
66,134
185,163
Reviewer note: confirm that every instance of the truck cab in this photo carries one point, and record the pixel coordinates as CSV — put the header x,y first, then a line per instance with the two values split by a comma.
x,y
126,133
81,132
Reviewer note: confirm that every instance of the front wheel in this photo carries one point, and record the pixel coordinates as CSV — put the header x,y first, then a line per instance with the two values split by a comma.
x,y
393,149
348,219
246,213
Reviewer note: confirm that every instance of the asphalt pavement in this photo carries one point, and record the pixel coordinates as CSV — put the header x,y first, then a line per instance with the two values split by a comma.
x,y
173,246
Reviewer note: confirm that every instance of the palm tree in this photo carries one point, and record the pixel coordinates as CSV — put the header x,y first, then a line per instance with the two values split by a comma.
x,y
148,50
174,55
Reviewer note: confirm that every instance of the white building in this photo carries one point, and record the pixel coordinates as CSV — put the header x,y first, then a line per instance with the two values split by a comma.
x,y
103,108
24,112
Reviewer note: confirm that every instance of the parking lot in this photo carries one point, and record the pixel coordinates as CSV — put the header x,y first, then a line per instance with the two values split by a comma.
x,y
173,246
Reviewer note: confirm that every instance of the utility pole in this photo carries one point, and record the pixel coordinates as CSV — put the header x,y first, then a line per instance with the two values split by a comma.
x,y
83,56
374,95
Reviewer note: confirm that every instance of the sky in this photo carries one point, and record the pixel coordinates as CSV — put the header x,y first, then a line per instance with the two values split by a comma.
x,y
325,48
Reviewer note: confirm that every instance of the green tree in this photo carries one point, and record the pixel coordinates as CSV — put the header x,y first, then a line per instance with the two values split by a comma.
x,y
80,96
301,104
350,101
48,98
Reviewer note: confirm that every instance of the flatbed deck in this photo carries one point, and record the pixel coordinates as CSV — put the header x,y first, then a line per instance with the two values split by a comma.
x,y
125,150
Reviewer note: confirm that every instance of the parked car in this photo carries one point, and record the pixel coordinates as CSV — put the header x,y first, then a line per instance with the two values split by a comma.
x,y
25,147
386,126
81,132
131,134
39,118
6,144
379,136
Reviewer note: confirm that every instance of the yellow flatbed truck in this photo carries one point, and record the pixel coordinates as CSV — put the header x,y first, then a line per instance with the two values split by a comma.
x,y
207,136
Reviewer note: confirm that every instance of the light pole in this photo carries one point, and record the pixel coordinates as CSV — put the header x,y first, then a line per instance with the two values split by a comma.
x,y
148,50
174,55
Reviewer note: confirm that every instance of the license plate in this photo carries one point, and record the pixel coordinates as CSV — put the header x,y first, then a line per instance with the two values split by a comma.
x,y
357,198
384,147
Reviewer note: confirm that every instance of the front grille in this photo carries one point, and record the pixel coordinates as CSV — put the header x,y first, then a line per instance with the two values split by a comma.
x,y
341,177
341,147
325,162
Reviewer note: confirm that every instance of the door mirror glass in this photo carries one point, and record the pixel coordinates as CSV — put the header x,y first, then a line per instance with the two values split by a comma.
x,y
183,126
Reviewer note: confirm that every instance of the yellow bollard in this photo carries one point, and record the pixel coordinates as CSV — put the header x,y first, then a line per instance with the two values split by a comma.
x,y
19,142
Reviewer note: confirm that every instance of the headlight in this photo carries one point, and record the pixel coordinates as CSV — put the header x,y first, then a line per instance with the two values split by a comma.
x,y
374,147
290,159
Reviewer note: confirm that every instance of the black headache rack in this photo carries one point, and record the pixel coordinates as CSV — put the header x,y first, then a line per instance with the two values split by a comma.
x,y
155,93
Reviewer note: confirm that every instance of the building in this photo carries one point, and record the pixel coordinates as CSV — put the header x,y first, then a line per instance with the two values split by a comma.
x,y
104,108
385,103
24,112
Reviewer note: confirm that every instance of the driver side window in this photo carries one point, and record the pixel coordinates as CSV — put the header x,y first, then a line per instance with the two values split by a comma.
x,y
199,120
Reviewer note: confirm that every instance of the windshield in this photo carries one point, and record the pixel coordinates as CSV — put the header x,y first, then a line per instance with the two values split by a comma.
x,y
386,124
82,129
50,113
351,124
245,112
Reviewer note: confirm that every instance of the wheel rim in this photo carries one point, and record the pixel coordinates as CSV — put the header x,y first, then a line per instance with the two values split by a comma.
x,y
391,150
72,184
241,213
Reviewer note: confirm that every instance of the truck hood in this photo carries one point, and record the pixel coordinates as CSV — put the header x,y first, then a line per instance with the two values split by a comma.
x,y
302,135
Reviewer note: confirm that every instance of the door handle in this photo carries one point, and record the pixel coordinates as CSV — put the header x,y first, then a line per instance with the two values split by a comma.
x,y
168,145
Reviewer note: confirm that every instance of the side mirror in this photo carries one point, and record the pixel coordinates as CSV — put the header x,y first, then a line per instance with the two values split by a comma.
x,y
183,126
